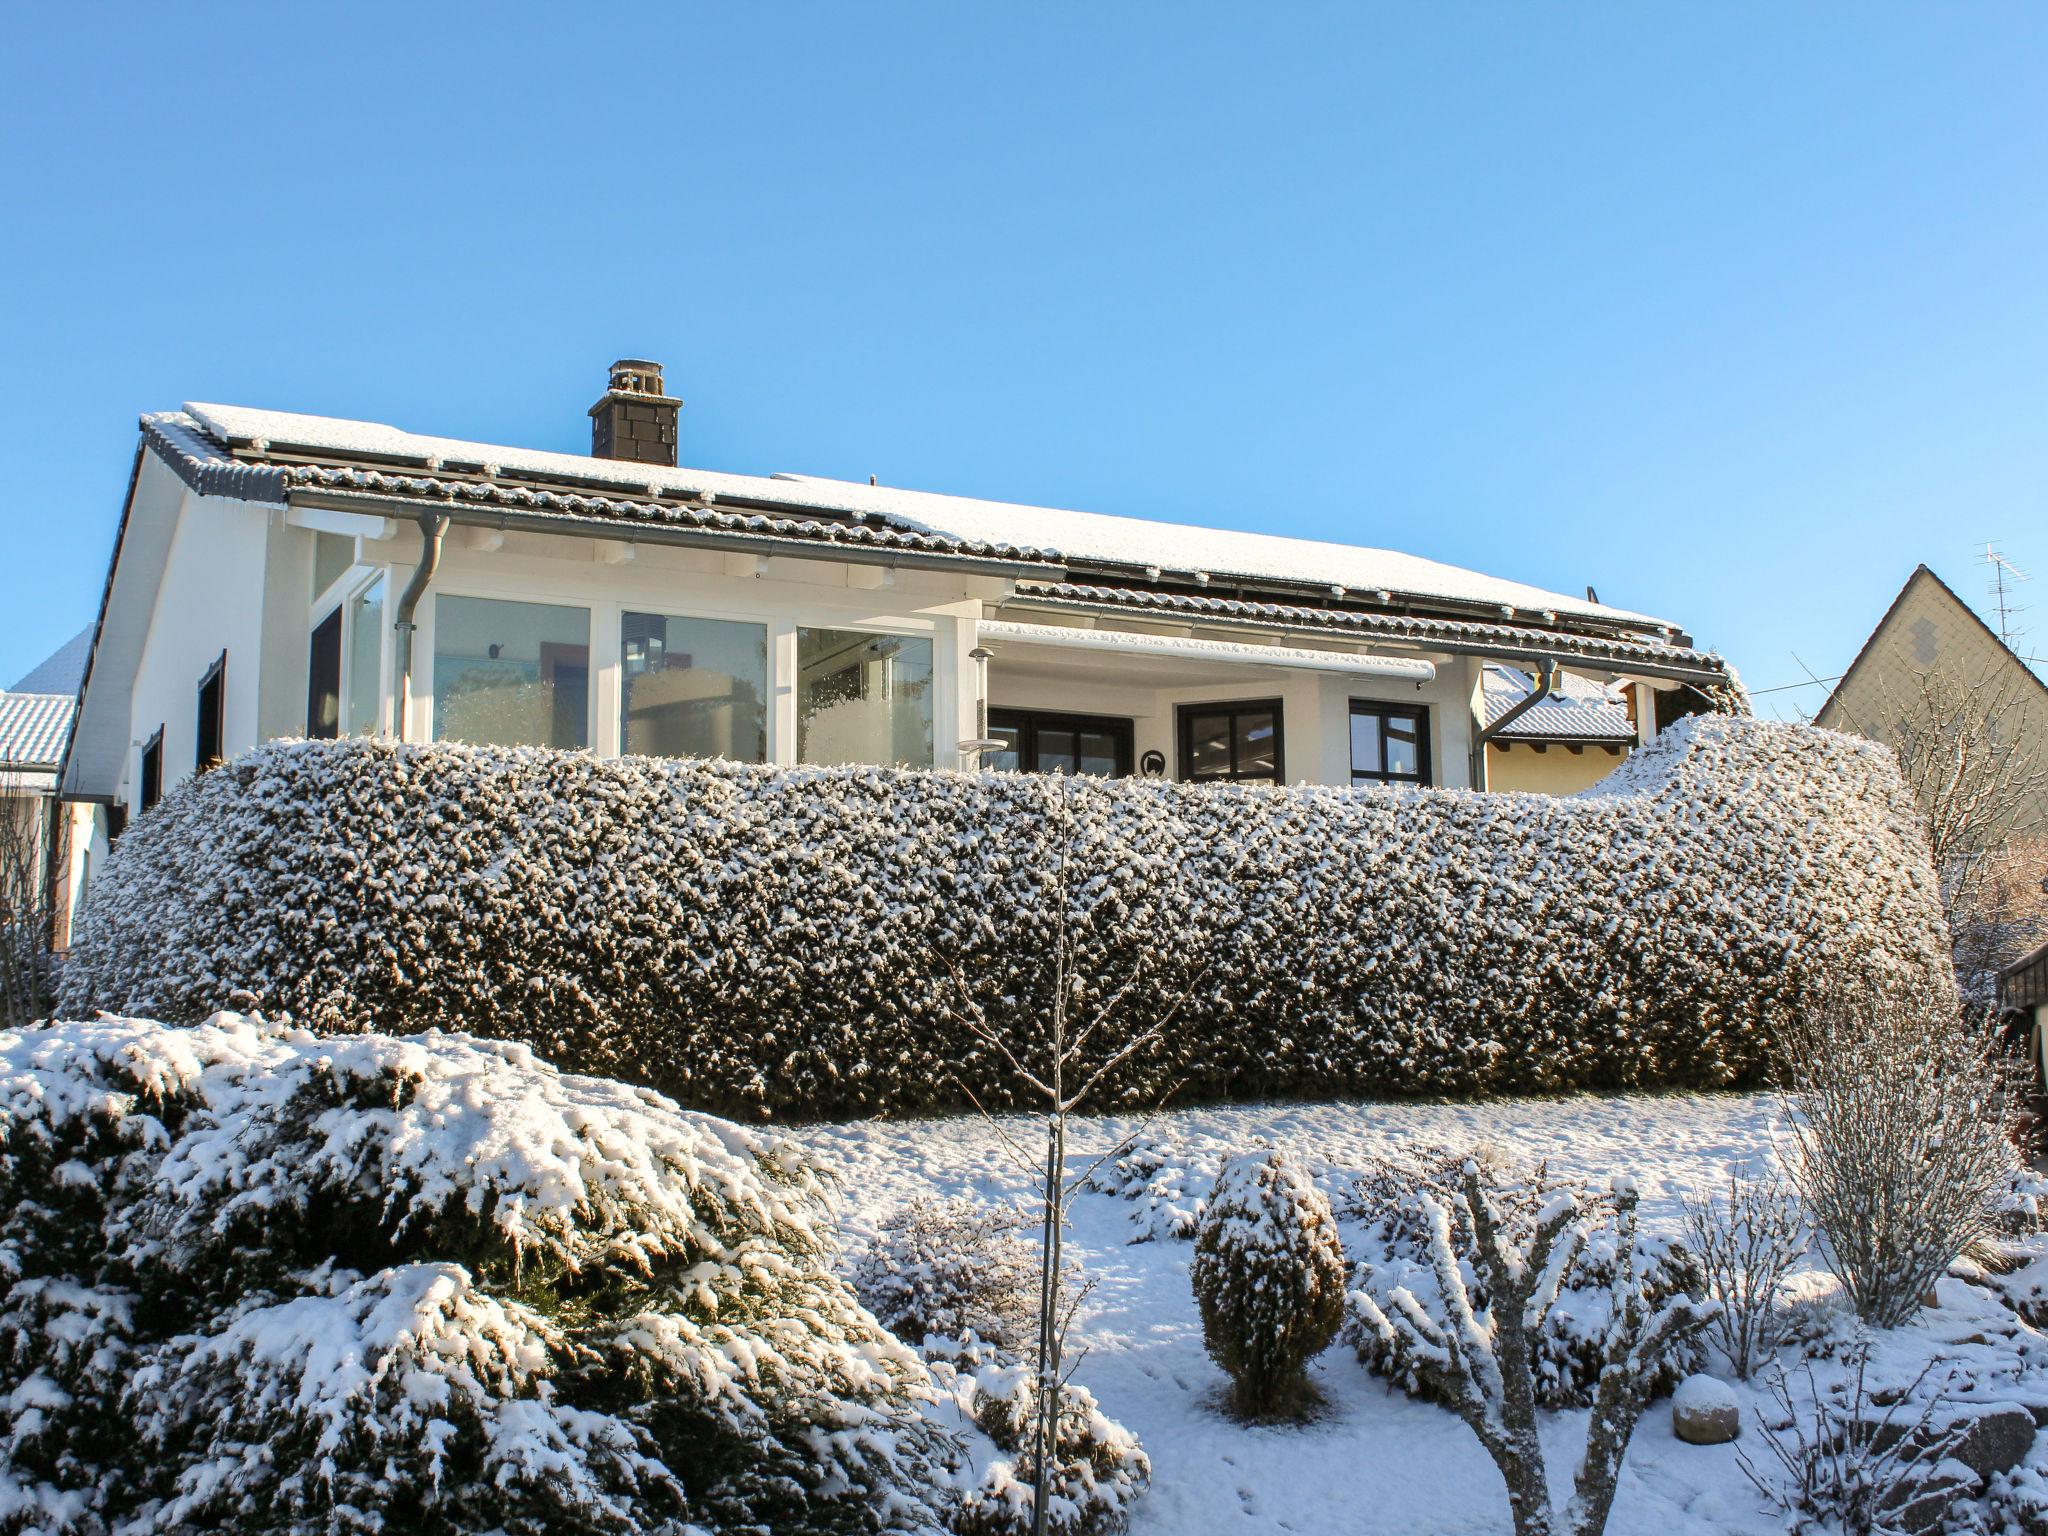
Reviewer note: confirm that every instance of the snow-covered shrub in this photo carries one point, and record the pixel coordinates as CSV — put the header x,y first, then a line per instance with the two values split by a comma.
x,y
1903,1114
1482,1356
1268,1275
1165,1186
261,1280
1745,1239
1099,1469
768,941
1393,1254
952,1270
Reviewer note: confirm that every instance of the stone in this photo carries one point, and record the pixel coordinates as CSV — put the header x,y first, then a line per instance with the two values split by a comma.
x,y
1920,1504
1705,1411
1992,1439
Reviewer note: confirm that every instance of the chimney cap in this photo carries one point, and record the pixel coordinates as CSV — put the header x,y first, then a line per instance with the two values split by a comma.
x,y
636,376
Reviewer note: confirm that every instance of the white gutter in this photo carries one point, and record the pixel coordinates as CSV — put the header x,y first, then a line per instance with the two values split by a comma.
x,y
1401,668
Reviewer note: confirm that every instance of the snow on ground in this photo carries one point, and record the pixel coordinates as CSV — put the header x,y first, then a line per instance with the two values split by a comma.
x,y
1376,1461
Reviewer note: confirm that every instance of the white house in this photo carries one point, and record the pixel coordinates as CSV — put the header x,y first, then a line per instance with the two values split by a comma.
x,y
279,575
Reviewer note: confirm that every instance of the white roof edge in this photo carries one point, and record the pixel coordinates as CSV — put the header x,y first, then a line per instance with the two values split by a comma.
x,y
1181,548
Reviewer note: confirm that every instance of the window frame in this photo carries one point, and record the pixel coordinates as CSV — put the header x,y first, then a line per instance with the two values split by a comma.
x,y
1384,710
874,630
427,641
150,788
212,717
1028,722
1185,716
659,611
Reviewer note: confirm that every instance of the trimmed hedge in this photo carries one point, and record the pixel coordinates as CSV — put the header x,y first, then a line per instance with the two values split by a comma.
x,y
799,942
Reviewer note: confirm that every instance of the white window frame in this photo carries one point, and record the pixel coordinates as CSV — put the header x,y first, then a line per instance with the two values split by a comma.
x,y
615,666
786,665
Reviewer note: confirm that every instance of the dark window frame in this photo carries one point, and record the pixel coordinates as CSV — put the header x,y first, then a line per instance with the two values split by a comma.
x,y
213,717
1185,716
151,789
323,675
1384,711
1028,723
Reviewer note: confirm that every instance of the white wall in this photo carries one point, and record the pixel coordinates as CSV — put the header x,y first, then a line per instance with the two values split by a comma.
x,y
1315,712
212,598
238,577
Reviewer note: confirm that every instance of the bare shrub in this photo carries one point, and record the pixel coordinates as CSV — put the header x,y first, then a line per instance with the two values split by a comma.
x,y
1745,1239
947,1269
1901,1140
28,971
1485,1357
1268,1274
1844,1461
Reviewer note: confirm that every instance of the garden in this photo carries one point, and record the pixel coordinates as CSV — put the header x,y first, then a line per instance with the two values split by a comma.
x,y
1145,1159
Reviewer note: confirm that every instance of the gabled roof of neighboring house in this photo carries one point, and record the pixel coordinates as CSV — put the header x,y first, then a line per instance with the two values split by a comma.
x,y
1925,581
62,670
1579,709
269,455
33,729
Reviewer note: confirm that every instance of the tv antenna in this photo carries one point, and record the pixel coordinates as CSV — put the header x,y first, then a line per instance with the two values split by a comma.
x,y
2004,577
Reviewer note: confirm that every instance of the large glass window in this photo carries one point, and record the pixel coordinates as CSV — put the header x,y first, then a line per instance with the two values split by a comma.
x,y
1042,742
1225,742
511,674
364,715
1389,743
693,687
863,698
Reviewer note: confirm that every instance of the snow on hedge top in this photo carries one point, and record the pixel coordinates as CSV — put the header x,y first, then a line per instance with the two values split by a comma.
x,y
1090,536
577,1169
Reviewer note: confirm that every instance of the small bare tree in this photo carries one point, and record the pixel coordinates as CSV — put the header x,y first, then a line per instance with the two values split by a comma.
x,y
1746,1239
27,969
1900,1140
1049,1046
1487,1362
1973,747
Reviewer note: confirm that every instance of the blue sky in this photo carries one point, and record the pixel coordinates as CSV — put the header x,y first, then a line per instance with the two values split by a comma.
x,y
1734,312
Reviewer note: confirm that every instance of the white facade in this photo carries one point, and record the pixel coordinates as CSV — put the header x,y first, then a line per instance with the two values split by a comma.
x,y
238,581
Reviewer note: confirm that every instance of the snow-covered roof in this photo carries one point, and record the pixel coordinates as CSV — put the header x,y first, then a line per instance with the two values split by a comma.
x,y
62,670
33,727
1180,549
1579,709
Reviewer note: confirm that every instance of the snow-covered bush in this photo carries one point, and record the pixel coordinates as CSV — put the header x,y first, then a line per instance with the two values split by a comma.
x,y
1166,1188
952,1270
1746,1238
1902,1139
1393,1254
1268,1274
261,1280
1099,1469
1482,1356
762,940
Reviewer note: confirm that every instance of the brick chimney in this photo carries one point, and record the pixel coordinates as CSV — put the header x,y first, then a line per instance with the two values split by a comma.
x,y
635,420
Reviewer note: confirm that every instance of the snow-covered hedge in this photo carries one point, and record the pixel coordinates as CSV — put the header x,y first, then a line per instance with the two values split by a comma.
x,y
787,941
257,1280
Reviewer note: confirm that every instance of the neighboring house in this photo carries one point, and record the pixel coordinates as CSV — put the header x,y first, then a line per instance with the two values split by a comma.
x,y
1564,743
49,848
1930,632
279,575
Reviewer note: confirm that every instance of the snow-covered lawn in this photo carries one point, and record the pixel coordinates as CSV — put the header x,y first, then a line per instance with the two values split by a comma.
x,y
1377,1461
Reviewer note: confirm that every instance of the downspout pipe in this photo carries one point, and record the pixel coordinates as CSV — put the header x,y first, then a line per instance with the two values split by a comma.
x,y
1545,684
433,528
